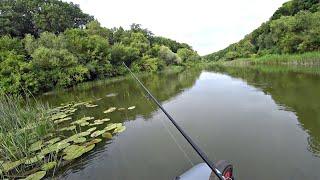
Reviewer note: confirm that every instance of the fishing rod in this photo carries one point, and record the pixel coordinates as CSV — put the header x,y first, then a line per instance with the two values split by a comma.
x,y
201,153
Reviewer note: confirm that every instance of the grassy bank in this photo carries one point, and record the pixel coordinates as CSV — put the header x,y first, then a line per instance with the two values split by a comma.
x,y
308,63
305,59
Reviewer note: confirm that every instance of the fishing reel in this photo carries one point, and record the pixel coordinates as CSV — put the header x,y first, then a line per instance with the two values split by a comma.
x,y
225,168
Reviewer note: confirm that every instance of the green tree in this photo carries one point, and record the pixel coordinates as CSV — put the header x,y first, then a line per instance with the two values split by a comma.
x,y
20,17
168,56
187,55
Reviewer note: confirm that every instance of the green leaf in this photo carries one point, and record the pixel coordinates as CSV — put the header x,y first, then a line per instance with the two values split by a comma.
x,y
107,135
119,129
36,146
110,127
54,140
7,166
36,176
48,166
80,140
131,107
70,128
111,109
34,159
97,133
62,120
91,129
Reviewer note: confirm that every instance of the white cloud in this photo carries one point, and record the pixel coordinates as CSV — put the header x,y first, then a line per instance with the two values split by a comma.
x,y
207,25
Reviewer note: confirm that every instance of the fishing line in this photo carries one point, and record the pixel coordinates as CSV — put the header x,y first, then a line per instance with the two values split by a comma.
x,y
176,142
203,156
169,132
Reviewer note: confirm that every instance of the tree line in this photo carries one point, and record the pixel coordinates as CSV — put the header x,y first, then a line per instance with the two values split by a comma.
x,y
293,28
50,43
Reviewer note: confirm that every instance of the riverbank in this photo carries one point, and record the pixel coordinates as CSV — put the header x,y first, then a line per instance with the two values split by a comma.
x,y
308,63
305,59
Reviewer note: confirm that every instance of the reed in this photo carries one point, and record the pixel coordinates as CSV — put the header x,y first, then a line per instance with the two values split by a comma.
x,y
305,59
23,121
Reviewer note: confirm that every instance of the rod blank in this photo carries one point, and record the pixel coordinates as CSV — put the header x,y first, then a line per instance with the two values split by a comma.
x,y
201,153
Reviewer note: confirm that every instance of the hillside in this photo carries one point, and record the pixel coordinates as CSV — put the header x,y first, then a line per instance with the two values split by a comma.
x,y
293,28
48,44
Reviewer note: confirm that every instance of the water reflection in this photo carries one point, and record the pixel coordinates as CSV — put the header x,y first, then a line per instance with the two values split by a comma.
x,y
261,120
292,91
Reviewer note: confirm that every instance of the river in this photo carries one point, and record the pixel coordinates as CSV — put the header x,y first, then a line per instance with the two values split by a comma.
x,y
267,123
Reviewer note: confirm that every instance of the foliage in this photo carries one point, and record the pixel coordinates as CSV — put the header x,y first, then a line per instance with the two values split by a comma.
x,y
18,117
20,17
168,56
305,59
188,55
39,53
294,28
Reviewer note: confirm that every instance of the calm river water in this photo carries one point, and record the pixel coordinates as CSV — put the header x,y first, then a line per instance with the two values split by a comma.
x,y
267,123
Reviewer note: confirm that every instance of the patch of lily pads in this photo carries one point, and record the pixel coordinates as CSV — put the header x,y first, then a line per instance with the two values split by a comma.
x,y
72,139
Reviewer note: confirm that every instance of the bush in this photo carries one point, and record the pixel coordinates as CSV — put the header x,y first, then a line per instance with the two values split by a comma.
x,y
168,56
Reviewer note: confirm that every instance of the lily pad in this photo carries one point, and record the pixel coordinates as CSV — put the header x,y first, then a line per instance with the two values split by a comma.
x,y
36,176
120,129
75,136
34,159
101,121
91,105
70,149
96,123
48,166
107,135
131,107
82,134
82,120
89,148
36,146
80,140
91,129
62,120
111,109
70,128
79,104
84,124
118,125
59,115
70,111
54,147
7,166
77,151
87,118
54,140
97,133
111,95
110,127
105,119
94,141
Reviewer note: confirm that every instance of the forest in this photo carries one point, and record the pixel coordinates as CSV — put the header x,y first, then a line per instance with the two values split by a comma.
x,y
48,44
292,29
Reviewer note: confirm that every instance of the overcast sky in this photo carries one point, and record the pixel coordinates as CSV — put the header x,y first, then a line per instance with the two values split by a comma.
x,y
206,25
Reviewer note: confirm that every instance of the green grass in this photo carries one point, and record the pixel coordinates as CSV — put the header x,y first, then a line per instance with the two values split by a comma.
x,y
305,59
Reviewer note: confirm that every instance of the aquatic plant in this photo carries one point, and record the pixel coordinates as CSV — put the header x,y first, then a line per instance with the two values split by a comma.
x,y
131,107
111,109
37,137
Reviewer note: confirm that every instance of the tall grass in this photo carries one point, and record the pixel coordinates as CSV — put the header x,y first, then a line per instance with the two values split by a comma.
x,y
22,122
305,59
